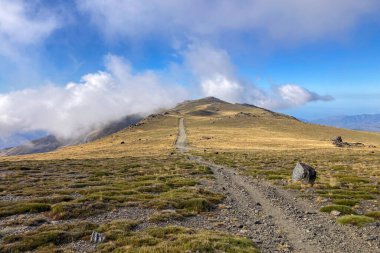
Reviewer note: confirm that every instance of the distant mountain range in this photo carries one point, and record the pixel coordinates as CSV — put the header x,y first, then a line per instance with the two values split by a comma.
x,y
50,142
20,138
363,122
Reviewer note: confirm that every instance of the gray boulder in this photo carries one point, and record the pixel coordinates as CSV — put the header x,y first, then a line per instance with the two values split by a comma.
x,y
304,173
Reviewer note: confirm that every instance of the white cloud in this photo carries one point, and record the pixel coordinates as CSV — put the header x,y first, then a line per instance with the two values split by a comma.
x,y
279,20
213,72
216,75
221,87
23,23
73,110
294,95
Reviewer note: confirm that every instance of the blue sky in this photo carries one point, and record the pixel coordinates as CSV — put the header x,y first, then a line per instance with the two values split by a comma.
x,y
310,59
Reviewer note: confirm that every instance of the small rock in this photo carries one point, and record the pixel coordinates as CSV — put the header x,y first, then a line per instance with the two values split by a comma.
x,y
335,213
243,231
97,237
370,238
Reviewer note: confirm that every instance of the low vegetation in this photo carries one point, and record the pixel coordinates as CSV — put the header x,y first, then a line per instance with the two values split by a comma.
x,y
77,190
170,239
339,208
357,220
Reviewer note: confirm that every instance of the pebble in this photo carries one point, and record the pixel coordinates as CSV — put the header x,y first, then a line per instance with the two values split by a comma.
x,y
335,213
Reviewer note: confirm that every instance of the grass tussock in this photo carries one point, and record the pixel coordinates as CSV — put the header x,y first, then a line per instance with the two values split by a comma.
x,y
21,208
374,214
340,208
357,220
346,202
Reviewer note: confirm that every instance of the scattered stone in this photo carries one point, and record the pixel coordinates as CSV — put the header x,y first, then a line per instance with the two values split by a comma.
x,y
335,213
243,231
370,238
304,173
122,142
169,211
97,237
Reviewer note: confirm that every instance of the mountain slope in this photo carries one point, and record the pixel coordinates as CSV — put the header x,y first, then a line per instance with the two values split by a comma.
x,y
363,122
217,125
51,142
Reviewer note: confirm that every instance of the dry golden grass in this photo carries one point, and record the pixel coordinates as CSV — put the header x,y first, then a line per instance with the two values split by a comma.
x,y
258,129
156,136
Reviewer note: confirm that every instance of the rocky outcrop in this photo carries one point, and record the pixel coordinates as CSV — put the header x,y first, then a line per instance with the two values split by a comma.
x,y
338,142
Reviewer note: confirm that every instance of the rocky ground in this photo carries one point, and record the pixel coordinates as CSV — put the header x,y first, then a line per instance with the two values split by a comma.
x,y
278,220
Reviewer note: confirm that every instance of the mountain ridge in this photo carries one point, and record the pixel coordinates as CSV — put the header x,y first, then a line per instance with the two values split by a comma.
x,y
362,122
50,142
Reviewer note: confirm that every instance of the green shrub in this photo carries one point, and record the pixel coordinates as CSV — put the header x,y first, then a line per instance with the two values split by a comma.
x,y
346,202
65,211
340,208
375,215
195,205
21,208
357,220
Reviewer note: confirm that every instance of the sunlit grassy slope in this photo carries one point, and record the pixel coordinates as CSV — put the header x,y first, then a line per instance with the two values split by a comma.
x,y
153,136
268,145
211,124
218,125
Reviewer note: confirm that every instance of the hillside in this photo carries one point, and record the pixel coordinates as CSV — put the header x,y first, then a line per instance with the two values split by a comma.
x,y
206,175
213,124
51,142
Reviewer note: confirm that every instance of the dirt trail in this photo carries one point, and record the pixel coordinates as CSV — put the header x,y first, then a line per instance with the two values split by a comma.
x,y
278,220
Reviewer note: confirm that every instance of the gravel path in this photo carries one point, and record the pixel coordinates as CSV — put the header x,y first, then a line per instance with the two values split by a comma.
x,y
279,221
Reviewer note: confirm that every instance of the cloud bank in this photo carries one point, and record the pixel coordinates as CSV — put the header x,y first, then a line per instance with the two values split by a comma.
x,y
217,77
99,98
291,20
